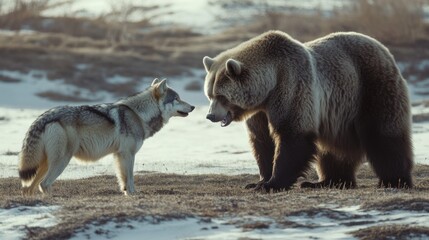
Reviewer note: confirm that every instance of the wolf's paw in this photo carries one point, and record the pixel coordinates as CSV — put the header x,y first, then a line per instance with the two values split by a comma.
x,y
27,191
44,189
129,192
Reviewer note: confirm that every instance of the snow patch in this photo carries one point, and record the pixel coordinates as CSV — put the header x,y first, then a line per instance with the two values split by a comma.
x,y
24,93
118,79
14,221
326,223
16,32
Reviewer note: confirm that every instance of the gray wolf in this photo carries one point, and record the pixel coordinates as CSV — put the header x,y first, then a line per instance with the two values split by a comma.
x,y
91,132
334,101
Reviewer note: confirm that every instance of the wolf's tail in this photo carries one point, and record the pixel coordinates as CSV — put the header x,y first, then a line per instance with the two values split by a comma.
x,y
31,155
29,161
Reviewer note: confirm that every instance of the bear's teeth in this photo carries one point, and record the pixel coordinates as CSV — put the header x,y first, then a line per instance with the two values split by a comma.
x,y
227,120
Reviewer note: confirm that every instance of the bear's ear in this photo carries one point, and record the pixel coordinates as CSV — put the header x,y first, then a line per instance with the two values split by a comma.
x,y
233,67
208,62
155,81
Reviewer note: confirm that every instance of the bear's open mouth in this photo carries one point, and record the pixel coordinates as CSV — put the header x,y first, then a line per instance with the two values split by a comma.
x,y
183,114
227,120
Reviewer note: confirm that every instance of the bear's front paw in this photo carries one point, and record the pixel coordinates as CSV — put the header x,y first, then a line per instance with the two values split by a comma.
x,y
254,185
273,187
250,186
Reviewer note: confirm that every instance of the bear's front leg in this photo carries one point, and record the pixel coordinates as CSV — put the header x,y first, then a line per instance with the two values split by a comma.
x,y
262,145
293,155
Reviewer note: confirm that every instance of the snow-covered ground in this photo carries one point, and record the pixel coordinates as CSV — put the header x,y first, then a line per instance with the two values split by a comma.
x,y
329,223
13,221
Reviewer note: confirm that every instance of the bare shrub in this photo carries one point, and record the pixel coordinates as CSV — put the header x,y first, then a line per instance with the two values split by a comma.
x,y
20,12
399,21
392,22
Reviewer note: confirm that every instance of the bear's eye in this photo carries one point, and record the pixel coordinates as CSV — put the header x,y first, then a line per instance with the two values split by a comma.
x,y
221,98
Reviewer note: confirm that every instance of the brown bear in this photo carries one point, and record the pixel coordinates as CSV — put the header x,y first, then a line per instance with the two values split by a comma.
x,y
334,101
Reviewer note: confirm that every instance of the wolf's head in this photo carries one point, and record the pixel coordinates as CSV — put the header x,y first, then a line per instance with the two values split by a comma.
x,y
169,101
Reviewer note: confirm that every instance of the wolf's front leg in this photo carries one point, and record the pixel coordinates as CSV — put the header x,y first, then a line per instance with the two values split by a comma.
x,y
125,166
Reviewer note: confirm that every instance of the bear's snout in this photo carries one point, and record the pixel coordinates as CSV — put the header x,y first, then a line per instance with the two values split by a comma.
x,y
211,117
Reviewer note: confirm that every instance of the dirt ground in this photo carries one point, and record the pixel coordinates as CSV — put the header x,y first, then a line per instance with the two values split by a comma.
x,y
97,200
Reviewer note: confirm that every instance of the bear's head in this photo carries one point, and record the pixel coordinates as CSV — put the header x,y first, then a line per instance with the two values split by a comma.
x,y
237,83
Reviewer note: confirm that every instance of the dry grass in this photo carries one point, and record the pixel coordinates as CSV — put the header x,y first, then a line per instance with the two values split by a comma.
x,y
392,232
167,196
392,22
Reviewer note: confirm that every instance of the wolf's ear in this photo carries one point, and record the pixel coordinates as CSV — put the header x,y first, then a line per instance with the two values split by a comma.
x,y
233,67
208,62
155,81
160,89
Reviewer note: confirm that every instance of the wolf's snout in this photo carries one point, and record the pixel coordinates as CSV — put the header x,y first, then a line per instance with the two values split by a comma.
x,y
192,108
211,117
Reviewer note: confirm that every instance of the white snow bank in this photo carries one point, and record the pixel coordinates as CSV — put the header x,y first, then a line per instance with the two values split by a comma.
x,y
24,93
329,223
13,221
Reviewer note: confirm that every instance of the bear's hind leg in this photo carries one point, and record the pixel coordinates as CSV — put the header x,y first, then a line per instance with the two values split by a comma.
x,y
335,171
262,145
391,159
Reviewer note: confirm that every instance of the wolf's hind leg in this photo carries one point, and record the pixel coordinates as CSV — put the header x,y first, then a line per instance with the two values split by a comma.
x,y
59,151
55,168
41,172
125,168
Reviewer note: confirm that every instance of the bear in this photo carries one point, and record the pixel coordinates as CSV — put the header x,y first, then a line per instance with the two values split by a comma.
x,y
333,102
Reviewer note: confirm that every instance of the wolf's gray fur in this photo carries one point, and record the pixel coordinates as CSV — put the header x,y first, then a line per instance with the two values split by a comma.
x,y
91,132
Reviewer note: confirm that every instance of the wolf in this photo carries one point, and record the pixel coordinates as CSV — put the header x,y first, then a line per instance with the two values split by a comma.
x,y
92,132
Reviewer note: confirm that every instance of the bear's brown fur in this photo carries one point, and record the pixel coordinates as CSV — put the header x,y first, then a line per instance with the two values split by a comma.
x,y
334,101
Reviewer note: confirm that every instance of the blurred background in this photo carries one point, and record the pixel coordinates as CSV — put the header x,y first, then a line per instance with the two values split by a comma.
x,y
55,52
